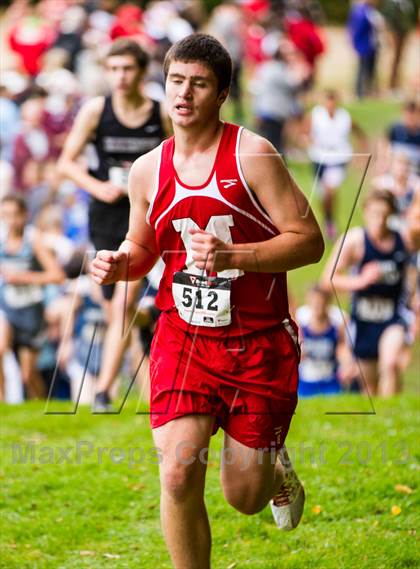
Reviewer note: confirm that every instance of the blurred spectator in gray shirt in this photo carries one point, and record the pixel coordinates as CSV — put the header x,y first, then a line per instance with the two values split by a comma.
x,y
275,86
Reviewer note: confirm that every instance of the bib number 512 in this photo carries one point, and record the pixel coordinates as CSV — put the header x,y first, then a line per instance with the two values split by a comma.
x,y
188,299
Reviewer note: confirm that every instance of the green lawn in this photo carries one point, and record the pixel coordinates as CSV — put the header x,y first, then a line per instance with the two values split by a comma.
x,y
106,515
60,512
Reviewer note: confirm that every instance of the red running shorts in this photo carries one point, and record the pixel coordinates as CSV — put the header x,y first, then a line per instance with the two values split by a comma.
x,y
248,383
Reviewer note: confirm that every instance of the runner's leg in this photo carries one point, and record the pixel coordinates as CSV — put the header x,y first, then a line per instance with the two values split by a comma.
x,y
5,343
369,372
249,477
122,308
182,477
30,375
391,348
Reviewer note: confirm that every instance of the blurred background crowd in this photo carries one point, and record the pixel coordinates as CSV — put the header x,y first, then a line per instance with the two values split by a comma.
x,y
291,68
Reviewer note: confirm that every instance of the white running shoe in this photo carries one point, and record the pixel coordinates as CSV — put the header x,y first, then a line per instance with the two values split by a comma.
x,y
287,505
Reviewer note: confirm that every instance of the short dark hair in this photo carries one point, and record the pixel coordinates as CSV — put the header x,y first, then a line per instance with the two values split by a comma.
x,y
410,105
331,94
205,49
18,200
380,195
125,46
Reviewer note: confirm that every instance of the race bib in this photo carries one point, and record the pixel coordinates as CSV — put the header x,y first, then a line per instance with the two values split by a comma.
x,y
21,296
375,309
118,176
312,370
202,300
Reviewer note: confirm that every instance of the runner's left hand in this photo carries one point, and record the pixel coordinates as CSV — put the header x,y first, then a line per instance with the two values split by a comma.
x,y
209,252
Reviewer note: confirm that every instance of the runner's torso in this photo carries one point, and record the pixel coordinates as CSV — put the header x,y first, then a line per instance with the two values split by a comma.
x,y
12,296
330,136
226,207
117,147
379,302
319,362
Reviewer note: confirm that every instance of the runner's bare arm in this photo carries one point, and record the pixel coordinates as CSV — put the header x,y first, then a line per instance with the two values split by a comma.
x,y
413,222
345,255
300,242
347,369
137,253
81,133
140,242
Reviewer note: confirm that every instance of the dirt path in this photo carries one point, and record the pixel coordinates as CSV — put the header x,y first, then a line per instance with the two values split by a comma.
x,y
338,67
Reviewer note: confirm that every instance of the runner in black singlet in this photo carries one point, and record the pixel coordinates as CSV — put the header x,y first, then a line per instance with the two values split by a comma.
x,y
120,127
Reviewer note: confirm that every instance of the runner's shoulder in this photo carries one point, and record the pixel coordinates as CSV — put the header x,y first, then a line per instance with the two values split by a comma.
x,y
254,144
92,109
147,162
353,242
144,170
259,160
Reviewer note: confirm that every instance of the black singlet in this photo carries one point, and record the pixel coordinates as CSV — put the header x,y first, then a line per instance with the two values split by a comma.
x,y
118,146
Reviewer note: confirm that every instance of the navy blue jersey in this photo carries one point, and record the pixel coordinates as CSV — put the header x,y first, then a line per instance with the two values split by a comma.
x,y
379,302
407,141
22,304
319,362
12,296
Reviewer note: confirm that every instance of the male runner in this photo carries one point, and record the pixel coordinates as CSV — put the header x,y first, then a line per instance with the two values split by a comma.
x,y
121,127
216,202
330,127
372,265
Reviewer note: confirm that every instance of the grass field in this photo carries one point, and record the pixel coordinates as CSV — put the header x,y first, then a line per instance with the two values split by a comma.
x,y
70,504
70,515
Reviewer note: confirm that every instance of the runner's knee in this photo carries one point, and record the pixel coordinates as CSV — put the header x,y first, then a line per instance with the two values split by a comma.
x,y
390,365
180,481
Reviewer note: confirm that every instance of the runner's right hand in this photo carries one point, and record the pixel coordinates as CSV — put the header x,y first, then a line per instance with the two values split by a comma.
x,y
108,192
370,274
109,267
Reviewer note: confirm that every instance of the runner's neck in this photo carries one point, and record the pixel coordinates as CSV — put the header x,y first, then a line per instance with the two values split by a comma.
x,y
197,140
382,240
129,101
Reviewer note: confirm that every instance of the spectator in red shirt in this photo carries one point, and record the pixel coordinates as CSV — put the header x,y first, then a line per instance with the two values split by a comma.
x,y
30,38
305,35
32,147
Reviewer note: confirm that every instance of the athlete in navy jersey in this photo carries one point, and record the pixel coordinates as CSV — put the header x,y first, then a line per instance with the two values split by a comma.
x,y
376,306
377,257
326,361
121,128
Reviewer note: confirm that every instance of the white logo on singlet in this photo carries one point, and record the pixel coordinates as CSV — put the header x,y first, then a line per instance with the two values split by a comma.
x,y
151,128
218,225
229,182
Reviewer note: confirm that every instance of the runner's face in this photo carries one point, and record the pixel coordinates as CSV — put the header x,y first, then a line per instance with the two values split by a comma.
x,y
331,104
318,303
123,72
400,167
191,93
13,217
376,216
